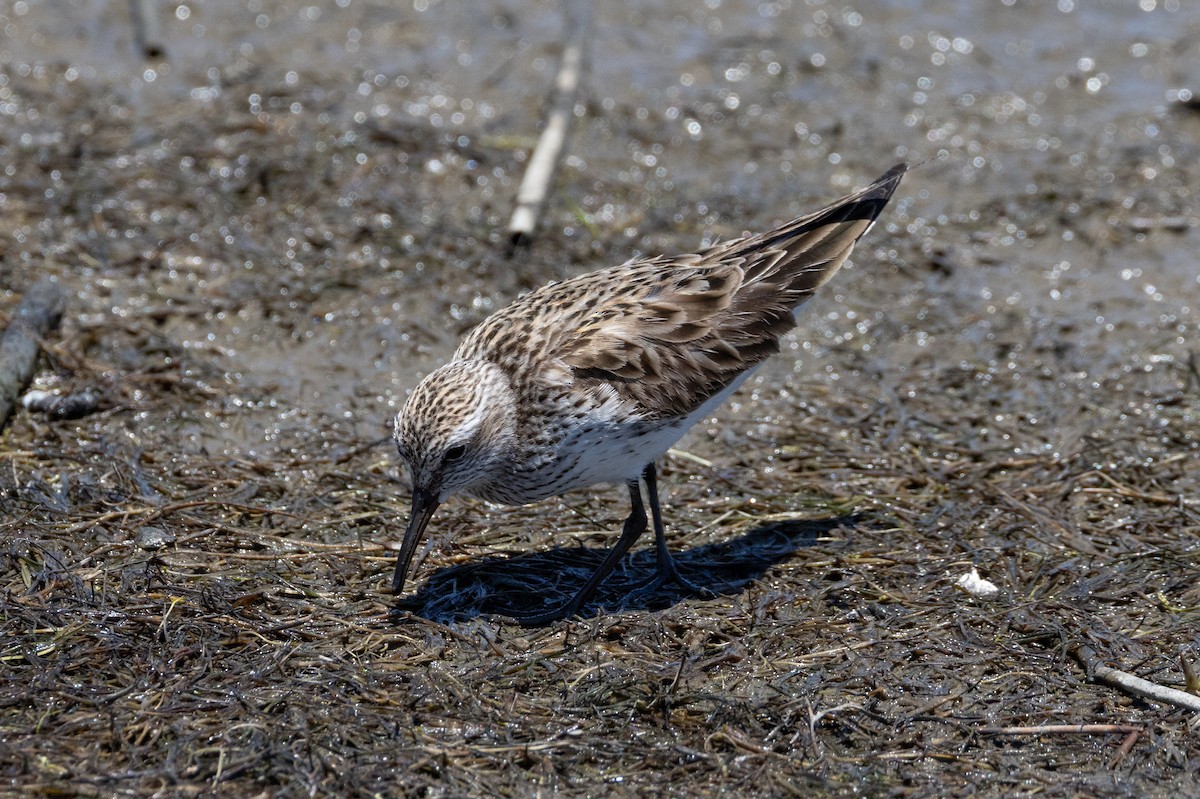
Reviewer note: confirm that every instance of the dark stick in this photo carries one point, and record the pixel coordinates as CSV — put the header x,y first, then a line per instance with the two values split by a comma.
x,y
39,312
147,37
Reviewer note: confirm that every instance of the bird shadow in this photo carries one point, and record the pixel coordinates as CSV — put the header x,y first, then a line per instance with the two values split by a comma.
x,y
528,584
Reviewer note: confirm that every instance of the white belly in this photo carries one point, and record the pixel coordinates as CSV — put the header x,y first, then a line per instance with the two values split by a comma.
x,y
616,453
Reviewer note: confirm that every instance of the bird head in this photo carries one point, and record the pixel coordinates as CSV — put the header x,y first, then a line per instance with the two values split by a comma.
x,y
455,432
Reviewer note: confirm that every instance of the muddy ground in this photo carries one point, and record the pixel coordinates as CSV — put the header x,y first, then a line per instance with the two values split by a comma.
x,y
269,235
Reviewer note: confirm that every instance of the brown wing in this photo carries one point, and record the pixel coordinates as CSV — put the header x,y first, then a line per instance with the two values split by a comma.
x,y
681,329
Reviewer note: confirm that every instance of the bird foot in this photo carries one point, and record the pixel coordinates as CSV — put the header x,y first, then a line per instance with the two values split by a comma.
x,y
666,574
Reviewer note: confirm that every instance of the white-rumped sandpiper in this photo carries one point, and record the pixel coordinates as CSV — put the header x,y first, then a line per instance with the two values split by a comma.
x,y
590,380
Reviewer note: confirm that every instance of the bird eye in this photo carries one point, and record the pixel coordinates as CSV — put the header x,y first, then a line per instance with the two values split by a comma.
x,y
455,453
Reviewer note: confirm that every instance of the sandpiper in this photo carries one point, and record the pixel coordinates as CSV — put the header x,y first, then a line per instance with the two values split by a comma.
x,y
590,380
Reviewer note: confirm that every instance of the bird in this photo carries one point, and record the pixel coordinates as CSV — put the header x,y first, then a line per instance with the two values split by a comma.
x,y
592,379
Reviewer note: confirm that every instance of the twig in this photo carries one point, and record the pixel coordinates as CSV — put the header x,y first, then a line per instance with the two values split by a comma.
x,y
536,183
1131,684
1061,729
39,312
1132,732
1126,748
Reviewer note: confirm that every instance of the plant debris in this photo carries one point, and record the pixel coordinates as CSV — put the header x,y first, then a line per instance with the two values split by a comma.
x,y
262,257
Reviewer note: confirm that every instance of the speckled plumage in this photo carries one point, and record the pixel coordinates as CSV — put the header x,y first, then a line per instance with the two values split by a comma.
x,y
592,379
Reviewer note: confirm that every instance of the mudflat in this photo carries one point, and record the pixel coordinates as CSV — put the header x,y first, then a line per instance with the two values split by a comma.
x,y
272,231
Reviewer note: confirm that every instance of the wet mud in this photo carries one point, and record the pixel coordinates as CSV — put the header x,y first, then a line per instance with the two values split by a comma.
x,y
270,234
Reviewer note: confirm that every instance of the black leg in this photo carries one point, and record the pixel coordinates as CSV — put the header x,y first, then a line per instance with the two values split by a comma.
x,y
667,570
635,525
665,561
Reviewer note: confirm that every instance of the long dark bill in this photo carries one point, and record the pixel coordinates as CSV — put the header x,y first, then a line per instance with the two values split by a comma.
x,y
423,505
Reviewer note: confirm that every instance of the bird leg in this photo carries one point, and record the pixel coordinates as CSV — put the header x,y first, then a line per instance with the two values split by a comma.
x,y
635,525
668,572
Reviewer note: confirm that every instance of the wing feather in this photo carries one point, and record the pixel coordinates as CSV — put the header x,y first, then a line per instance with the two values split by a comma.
x,y
668,333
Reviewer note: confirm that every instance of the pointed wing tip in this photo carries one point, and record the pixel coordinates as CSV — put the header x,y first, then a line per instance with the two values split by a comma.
x,y
886,184
870,202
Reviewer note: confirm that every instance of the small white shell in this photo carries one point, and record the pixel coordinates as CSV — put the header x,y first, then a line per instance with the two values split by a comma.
x,y
975,585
